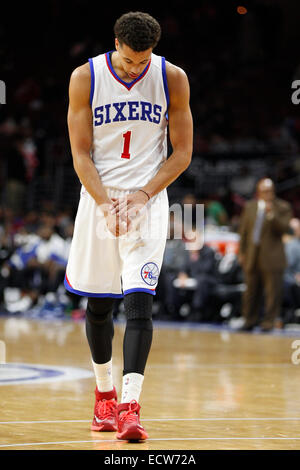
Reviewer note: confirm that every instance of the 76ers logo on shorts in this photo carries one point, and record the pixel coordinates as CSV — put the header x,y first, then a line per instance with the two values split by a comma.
x,y
149,273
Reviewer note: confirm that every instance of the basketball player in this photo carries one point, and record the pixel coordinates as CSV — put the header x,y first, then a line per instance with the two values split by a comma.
x,y
120,104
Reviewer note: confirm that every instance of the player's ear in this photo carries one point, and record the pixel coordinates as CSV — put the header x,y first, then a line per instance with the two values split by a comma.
x,y
116,44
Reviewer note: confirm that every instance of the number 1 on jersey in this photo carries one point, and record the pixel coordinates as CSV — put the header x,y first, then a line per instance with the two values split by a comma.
x,y
126,137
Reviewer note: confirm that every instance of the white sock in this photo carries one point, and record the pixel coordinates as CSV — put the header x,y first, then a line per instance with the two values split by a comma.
x,y
132,387
103,374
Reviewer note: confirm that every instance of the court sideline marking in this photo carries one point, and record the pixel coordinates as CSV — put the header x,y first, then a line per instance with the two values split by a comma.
x,y
293,418
157,439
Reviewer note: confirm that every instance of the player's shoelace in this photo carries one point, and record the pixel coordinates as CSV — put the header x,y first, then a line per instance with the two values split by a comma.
x,y
106,409
131,414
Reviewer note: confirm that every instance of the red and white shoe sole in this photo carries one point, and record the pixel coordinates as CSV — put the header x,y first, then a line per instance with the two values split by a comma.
x,y
132,434
105,427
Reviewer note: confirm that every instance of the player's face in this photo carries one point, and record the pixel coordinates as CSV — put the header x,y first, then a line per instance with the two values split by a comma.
x,y
133,63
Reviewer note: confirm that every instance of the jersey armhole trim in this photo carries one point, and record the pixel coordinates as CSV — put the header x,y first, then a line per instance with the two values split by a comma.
x,y
165,82
92,81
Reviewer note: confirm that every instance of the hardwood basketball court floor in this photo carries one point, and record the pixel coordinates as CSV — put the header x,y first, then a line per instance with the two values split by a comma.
x,y
205,388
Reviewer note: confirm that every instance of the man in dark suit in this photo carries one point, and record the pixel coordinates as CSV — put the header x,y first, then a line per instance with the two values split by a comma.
x,y
261,254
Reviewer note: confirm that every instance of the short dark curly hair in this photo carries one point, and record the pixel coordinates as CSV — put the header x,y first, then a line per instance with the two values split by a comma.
x,y
137,30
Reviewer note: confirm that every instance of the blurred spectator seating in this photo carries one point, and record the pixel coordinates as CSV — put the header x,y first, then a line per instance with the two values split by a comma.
x,y
291,312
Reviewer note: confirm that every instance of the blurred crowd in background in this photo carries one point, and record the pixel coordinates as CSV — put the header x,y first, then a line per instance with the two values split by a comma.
x,y
240,68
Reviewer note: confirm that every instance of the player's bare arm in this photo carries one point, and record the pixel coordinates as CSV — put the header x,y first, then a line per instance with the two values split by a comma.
x,y
181,138
81,137
180,132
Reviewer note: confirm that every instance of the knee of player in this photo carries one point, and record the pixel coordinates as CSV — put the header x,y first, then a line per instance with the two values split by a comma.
x,y
138,307
99,309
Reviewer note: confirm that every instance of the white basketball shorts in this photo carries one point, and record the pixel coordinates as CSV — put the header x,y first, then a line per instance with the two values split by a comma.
x,y
102,265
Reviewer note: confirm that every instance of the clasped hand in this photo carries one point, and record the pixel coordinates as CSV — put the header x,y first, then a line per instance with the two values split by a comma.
x,y
124,211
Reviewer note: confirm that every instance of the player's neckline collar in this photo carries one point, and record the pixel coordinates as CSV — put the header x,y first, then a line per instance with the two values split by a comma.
x,y
128,85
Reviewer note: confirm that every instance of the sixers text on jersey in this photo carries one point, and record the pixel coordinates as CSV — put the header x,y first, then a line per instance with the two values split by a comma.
x,y
130,110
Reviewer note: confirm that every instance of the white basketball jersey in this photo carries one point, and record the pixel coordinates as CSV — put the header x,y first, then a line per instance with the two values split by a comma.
x,y
129,122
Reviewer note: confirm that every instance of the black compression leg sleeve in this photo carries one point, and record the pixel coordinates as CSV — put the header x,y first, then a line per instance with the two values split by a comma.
x,y
138,332
100,328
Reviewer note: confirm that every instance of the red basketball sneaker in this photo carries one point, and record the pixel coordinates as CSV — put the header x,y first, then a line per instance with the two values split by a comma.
x,y
105,411
129,426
